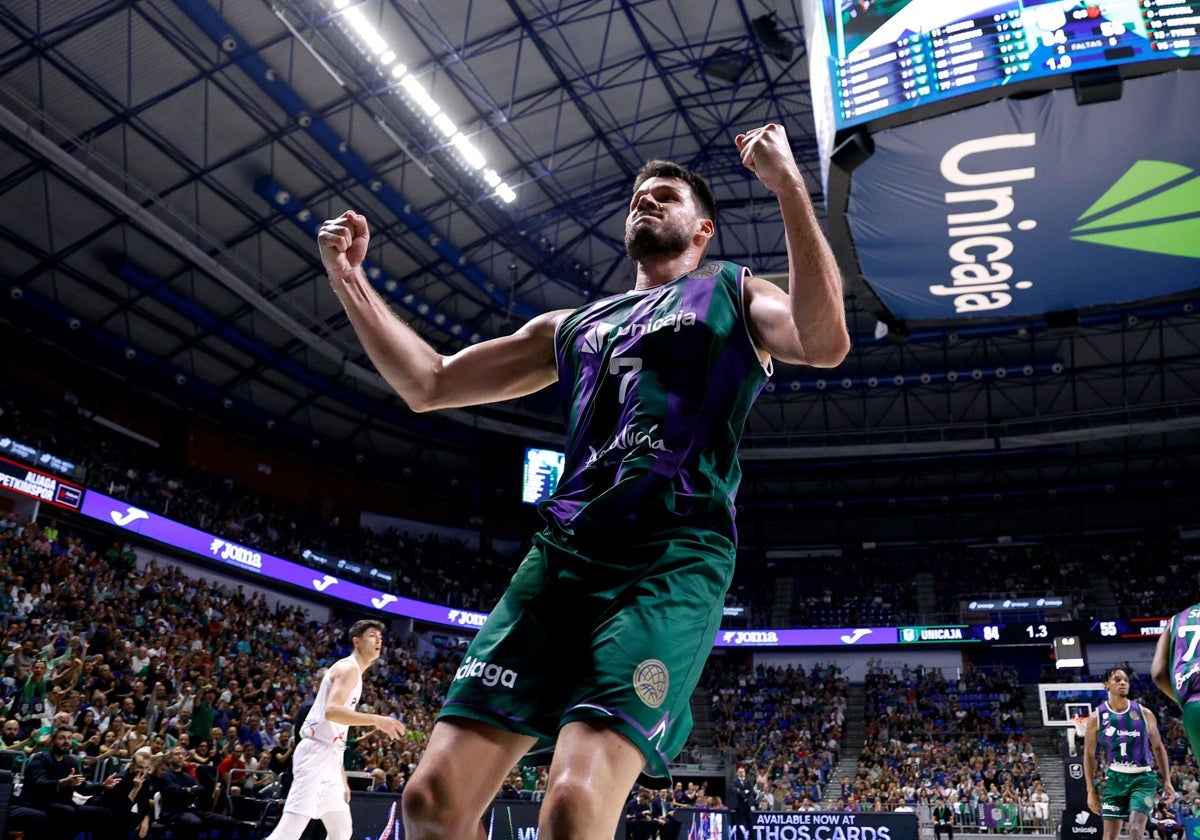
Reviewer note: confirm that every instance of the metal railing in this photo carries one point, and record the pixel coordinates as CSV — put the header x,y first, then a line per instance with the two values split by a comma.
x,y
1012,819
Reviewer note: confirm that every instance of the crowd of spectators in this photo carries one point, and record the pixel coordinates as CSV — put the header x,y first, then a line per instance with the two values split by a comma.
x,y
663,814
783,724
140,661
463,576
965,573
205,681
1147,574
852,591
148,660
855,588
960,738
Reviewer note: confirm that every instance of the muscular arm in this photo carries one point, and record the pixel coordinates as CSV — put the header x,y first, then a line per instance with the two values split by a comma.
x,y
806,325
1160,753
1160,668
1089,762
499,369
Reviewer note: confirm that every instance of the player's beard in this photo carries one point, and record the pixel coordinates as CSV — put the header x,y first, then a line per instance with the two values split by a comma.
x,y
644,240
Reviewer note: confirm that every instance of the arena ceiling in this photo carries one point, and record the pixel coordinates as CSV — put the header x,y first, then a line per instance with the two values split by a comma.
x,y
164,164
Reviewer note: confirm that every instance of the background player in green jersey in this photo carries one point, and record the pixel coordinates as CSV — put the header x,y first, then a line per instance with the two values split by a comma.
x,y
1128,734
639,545
1175,669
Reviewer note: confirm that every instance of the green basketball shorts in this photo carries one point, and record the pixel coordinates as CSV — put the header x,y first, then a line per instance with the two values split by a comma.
x,y
1126,792
1191,726
618,633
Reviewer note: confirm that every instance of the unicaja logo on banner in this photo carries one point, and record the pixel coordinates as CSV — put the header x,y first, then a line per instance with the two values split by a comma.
x,y
979,278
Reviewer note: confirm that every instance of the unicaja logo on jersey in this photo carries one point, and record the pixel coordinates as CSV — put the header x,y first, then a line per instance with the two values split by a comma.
x,y
593,337
489,673
1154,207
675,321
981,239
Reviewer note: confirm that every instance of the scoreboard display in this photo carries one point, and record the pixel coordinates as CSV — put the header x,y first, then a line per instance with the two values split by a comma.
x,y
1013,633
39,485
541,471
1032,633
888,56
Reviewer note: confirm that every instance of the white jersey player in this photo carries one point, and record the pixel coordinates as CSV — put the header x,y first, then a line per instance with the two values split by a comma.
x,y
319,788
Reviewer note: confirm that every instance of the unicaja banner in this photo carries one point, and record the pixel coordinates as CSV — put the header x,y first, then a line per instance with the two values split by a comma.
x,y
833,825
1028,206
1081,824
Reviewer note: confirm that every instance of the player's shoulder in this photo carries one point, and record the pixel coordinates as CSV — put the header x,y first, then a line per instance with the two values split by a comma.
x,y
1190,614
710,269
339,669
546,321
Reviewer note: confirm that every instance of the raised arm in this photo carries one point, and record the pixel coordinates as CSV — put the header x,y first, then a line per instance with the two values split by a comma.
x,y
807,324
499,369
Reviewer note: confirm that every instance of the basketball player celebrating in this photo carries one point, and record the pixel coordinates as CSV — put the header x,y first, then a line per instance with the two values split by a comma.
x,y
596,646
1175,669
1129,735
319,788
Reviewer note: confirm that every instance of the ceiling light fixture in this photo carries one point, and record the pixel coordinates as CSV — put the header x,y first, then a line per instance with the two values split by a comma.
x,y
376,46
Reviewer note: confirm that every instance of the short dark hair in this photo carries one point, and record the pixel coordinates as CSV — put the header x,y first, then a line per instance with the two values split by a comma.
x,y
667,169
362,626
1113,670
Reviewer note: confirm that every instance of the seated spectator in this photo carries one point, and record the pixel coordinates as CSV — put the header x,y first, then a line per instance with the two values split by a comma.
x,y
129,801
662,814
230,774
16,747
183,801
379,780
1164,822
639,816
51,781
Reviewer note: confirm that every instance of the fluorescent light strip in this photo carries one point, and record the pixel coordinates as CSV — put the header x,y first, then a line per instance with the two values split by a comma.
x,y
445,125
385,56
365,30
473,156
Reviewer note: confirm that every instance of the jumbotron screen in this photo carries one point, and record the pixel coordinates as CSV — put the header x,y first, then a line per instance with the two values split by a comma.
x,y
540,473
889,56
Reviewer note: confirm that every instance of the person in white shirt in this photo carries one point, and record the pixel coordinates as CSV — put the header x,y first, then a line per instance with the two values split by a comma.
x,y
1041,803
319,787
